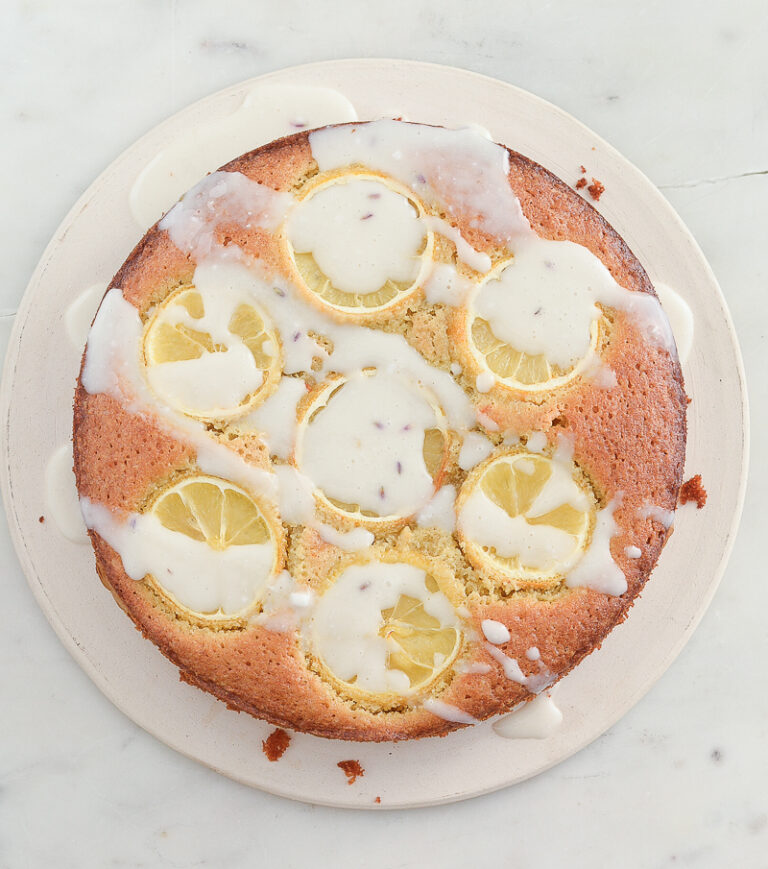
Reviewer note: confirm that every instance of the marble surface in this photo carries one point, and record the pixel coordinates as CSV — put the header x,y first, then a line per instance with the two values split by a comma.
x,y
680,91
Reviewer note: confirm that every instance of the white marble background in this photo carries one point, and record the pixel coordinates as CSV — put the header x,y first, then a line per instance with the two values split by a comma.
x,y
680,87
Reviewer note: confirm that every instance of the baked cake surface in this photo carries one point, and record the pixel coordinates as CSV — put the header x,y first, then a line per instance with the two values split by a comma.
x,y
379,431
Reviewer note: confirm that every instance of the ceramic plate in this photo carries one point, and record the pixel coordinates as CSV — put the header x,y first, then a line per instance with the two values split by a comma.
x,y
36,402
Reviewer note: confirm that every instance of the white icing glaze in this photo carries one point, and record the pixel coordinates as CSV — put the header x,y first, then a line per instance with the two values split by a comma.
x,y
597,569
458,170
267,112
537,442
445,286
204,579
455,369
680,318
475,259
285,606
439,511
535,719
478,668
659,514
484,381
80,313
365,446
297,506
495,632
345,627
61,498
354,347
633,551
210,384
222,199
448,712
509,665
365,216
599,372
275,419
533,654
486,421
474,448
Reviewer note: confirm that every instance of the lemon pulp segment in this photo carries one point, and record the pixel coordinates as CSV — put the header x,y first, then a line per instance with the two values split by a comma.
x,y
418,645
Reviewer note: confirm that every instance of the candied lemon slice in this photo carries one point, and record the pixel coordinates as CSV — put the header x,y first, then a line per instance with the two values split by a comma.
x,y
514,368
386,627
386,251
317,283
525,517
374,444
209,547
212,510
206,378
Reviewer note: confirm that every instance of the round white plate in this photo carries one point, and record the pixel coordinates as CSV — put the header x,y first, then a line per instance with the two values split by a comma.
x,y
36,407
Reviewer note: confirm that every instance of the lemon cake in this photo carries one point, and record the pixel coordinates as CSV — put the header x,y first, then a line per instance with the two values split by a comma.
x,y
379,431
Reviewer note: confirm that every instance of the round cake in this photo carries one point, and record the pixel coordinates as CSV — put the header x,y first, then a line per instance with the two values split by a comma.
x,y
379,431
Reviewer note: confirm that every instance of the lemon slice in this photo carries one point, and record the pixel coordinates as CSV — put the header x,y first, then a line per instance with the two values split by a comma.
x,y
374,445
206,378
221,549
386,628
513,368
525,518
365,222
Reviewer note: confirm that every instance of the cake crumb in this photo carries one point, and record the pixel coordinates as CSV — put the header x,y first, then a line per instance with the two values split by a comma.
x,y
583,170
582,182
377,800
692,490
275,745
596,189
41,520
351,769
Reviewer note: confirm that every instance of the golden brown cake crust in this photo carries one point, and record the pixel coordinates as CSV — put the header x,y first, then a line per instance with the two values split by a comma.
x,y
631,440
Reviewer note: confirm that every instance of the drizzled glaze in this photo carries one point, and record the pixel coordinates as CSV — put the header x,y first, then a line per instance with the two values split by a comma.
x,y
536,719
222,199
267,113
680,318
439,512
61,498
474,448
275,419
597,569
79,315
458,170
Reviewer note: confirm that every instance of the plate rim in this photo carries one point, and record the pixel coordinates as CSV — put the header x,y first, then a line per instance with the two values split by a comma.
x,y
12,357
